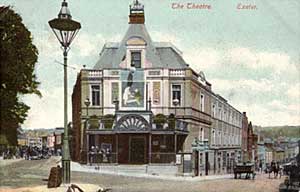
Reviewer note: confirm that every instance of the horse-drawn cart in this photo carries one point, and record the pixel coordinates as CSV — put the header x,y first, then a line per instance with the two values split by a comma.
x,y
245,168
292,183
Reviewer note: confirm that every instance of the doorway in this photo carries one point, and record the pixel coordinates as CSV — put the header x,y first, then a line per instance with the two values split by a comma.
x,y
207,165
137,152
196,163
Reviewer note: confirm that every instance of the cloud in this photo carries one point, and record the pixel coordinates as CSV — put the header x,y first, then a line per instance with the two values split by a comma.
x,y
46,112
265,115
87,45
264,100
278,62
294,91
204,58
253,81
46,43
262,85
277,104
159,36
90,45
241,59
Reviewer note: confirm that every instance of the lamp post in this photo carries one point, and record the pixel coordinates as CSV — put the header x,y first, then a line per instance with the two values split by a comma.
x,y
65,29
175,103
87,104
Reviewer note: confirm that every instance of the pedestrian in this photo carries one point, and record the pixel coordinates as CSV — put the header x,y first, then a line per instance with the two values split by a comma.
x,y
102,154
108,155
260,166
91,155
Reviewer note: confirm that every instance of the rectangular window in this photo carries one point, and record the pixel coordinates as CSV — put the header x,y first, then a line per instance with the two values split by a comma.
x,y
202,102
201,134
176,94
136,59
214,110
213,137
114,92
95,95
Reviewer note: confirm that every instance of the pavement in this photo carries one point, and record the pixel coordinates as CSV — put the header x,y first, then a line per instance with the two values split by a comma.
x,y
121,172
28,176
8,161
43,188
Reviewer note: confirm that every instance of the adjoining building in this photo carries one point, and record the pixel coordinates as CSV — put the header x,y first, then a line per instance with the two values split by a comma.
x,y
143,104
252,144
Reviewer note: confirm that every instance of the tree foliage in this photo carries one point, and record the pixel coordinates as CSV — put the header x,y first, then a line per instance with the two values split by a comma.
x,y
18,56
277,131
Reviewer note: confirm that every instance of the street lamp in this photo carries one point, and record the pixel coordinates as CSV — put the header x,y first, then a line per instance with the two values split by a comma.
x,y
65,29
175,103
87,104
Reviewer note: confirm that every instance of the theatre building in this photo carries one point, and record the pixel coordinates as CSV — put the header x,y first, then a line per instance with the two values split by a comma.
x,y
142,104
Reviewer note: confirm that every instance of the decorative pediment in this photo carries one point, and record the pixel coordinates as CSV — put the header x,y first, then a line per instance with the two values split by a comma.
x,y
136,41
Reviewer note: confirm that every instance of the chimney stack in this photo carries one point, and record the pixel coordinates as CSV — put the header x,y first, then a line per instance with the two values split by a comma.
x,y
136,15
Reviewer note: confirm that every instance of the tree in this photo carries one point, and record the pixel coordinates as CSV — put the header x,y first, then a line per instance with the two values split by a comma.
x,y
18,56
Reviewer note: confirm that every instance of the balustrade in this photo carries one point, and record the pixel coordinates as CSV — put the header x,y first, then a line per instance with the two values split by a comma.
x,y
94,73
177,72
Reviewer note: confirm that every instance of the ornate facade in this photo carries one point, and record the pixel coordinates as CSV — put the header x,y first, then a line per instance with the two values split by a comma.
x,y
146,106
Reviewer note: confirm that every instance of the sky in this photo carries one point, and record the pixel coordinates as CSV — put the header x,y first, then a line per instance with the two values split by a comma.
x,y
251,57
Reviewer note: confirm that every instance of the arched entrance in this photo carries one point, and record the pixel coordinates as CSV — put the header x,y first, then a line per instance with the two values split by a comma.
x,y
132,122
133,139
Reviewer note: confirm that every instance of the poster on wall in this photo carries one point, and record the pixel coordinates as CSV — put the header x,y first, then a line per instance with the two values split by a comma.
x,y
156,93
114,91
133,88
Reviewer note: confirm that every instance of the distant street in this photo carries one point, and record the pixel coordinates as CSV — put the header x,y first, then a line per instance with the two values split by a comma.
x,y
24,173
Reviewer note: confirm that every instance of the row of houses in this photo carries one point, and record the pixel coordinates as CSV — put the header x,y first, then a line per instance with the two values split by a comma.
x,y
263,150
283,150
51,139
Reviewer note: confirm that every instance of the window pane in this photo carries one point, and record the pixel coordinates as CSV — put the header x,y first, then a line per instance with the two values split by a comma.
x,y
176,93
177,87
114,92
136,59
202,103
95,94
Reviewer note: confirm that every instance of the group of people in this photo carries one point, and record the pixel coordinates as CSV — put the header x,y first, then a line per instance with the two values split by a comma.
x,y
276,168
99,155
26,152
